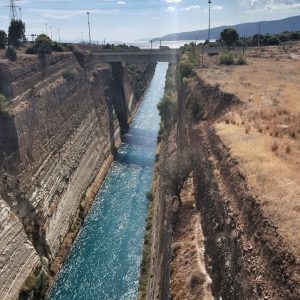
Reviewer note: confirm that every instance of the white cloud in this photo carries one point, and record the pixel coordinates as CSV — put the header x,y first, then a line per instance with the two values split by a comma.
x,y
191,7
69,14
170,9
121,2
271,5
172,1
217,7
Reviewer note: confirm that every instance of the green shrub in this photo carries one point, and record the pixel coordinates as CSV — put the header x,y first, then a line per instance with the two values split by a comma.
x,y
3,39
150,196
227,58
185,68
68,76
241,60
11,54
70,47
167,111
196,109
3,104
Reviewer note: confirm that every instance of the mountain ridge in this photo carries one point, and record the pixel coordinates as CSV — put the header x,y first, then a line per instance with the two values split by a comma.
x,y
247,29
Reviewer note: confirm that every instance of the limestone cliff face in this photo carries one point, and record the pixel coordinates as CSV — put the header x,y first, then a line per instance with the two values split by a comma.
x,y
66,116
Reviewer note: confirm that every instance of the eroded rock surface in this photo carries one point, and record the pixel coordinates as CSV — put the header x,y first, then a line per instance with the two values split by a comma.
x,y
66,114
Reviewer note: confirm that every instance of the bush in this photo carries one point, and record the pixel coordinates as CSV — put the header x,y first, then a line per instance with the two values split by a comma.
x,y
11,54
196,110
150,196
3,104
185,68
68,76
3,39
241,60
227,58
70,47
167,111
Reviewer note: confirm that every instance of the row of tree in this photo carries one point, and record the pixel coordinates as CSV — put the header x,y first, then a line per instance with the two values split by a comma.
x,y
230,37
15,36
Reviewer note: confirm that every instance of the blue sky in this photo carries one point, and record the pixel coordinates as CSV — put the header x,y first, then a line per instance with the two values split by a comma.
x,y
128,20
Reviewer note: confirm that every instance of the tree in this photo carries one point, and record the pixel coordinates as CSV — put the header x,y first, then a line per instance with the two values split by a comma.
x,y
16,33
43,45
177,170
3,39
229,36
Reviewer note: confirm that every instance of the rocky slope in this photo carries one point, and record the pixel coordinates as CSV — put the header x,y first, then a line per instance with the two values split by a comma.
x,y
66,115
245,254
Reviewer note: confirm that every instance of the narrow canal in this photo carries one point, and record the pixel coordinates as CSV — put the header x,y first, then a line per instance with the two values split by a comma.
x,y
105,259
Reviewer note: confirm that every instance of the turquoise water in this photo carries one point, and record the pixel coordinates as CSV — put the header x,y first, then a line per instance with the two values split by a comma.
x,y
105,259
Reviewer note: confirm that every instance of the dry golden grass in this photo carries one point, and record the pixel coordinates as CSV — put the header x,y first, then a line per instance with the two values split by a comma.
x,y
264,134
272,173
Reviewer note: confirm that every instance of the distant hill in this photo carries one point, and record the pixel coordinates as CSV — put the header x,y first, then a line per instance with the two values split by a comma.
x,y
248,29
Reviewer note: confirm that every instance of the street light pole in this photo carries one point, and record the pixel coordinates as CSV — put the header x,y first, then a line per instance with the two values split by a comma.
x,y
46,28
20,9
88,14
58,30
209,4
51,32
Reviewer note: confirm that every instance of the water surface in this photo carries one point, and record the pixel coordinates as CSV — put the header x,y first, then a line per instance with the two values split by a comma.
x,y
105,259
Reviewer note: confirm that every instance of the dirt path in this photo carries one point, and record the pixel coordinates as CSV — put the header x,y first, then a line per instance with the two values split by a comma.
x,y
189,279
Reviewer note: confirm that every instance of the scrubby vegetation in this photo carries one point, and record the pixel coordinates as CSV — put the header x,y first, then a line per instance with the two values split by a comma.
x,y
168,104
195,108
119,47
69,76
145,264
190,59
44,45
3,39
177,170
229,58
3,105
11,54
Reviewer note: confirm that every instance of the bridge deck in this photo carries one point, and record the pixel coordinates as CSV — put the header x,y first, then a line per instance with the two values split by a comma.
x,y
133,56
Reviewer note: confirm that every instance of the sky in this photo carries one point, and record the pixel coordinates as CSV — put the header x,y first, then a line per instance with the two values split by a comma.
x,y
129,20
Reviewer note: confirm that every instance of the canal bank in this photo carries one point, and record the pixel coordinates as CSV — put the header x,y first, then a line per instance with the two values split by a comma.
x,y
105,259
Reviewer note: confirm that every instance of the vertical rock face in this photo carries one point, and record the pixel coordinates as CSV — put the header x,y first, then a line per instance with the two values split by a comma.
x,y
18,256
66,115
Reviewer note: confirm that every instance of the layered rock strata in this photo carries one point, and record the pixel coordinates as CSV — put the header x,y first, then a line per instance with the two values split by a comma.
x,y
66,114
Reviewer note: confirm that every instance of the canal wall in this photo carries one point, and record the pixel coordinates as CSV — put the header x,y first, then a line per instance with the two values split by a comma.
x,y
66,115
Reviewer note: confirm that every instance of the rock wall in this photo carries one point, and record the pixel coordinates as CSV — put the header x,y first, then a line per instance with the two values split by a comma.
x,y
66,116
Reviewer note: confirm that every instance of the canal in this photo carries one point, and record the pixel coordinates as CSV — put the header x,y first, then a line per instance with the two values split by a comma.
x,y
104,262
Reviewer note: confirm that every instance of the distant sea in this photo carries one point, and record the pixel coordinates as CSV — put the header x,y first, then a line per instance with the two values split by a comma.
x,y
155,45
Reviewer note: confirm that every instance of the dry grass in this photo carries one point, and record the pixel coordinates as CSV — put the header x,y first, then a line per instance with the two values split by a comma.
x,y
189,279
272,171
264,134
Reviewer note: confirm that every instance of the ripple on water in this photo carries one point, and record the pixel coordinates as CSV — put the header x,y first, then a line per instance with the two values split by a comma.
x,y
104,261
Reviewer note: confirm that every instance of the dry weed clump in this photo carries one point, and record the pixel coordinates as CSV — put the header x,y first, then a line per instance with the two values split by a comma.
x,y
275,146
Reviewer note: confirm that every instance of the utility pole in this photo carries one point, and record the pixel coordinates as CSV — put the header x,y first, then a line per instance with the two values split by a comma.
x,y
13,10
209,4
58,31
46,28
88,14
151,44
159,43
20,10
51,32
258,35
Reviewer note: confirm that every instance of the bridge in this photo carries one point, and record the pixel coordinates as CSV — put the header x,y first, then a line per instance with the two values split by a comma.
x,y
138,56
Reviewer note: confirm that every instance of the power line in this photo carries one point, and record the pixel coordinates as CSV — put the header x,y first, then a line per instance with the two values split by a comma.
x,y
13,10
